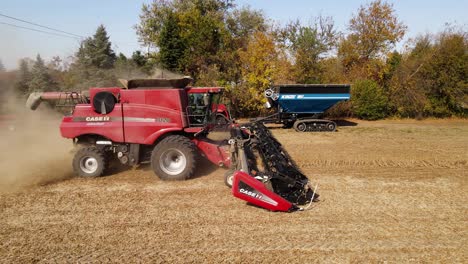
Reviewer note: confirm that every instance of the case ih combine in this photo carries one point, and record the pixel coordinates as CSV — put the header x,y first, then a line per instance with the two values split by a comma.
x,y
166,123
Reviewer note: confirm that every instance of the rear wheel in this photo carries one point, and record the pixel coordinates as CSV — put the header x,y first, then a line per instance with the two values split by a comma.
x,y
89,162
174,158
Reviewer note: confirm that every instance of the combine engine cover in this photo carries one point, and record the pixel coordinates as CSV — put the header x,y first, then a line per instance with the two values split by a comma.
x,y
265,174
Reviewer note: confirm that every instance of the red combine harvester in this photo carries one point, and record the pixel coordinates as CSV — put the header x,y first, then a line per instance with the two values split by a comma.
x,y
166,122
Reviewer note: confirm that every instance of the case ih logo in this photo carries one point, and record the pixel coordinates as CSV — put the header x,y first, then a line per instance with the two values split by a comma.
x,y
97,119
251,193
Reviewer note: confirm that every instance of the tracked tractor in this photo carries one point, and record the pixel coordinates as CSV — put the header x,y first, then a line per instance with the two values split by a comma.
x,y
165,123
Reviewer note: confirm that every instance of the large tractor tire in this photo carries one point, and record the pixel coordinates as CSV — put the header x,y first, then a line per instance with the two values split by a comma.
x,y
174,158
89,162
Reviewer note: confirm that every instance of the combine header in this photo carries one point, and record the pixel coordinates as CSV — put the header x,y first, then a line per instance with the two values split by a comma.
x,y
166,123
263,173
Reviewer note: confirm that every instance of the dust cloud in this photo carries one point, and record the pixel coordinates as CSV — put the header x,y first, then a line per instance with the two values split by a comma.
x,y
33,152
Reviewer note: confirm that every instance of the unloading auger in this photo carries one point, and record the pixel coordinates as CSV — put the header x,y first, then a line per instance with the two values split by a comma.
x,y
263,173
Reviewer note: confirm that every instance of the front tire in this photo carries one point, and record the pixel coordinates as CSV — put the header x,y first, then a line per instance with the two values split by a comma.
x,y
89,162
174,158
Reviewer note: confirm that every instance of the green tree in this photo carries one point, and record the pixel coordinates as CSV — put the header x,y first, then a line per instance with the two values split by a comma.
x,y
93,63
188,33
446,74
171,46
369,100
41,79
23,78
309,45
96,51
241,25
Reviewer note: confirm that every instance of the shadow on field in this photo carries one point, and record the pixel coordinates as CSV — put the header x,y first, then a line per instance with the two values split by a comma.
x,y
345,123
204,168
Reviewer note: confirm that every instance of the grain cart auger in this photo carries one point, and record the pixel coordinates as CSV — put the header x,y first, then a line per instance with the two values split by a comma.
x,y
262,172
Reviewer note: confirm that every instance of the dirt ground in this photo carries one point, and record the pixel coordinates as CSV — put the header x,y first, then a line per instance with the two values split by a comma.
x,y
392,191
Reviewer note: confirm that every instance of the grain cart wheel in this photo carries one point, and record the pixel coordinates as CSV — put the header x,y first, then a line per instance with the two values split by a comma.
x,y
331,126
89,162
301,127
174,158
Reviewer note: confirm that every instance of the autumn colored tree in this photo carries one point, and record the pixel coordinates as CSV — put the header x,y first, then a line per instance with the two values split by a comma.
x,y
446,74
262,65
374,31
431,79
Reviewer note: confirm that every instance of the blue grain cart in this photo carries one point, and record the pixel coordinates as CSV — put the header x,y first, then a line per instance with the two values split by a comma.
x,y
301,105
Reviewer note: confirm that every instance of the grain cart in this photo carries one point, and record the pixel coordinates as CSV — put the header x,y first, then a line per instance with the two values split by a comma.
x,y
161,122
301,105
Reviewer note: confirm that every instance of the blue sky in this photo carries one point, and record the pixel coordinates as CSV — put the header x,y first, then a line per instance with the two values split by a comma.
x,y
119,16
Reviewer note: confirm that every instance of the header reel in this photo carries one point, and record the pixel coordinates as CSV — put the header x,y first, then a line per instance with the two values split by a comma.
x,y
264,174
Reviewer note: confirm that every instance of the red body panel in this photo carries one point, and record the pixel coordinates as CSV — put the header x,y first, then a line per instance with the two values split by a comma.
x,y
218,154
221,109
140,117
77,124
253,191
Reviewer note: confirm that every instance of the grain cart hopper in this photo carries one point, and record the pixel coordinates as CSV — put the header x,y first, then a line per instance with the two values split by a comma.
x,y
158,121
301,105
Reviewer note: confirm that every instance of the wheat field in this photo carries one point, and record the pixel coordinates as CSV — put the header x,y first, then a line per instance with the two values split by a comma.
x,y
391,191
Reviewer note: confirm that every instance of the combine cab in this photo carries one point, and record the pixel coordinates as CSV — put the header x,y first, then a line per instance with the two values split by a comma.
x,y
301,105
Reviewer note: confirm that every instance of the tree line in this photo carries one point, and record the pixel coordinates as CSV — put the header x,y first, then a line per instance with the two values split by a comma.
x,y
218,43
